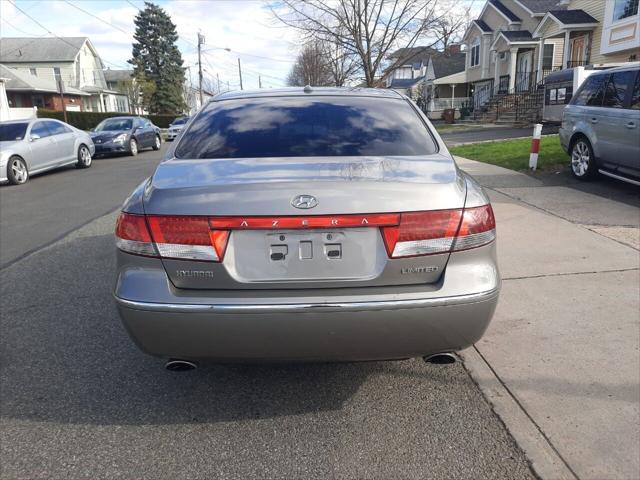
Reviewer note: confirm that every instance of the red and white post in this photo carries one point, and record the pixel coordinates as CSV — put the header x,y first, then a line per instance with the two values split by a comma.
x,y
535,146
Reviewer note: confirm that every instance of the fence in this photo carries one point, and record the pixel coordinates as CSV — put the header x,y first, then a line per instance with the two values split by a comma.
x,y
20,113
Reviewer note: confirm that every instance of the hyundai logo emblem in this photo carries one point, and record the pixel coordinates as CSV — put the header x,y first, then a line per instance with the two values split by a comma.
x,y
304,201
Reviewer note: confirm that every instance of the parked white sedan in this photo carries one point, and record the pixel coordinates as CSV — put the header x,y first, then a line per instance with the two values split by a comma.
x,y
33,146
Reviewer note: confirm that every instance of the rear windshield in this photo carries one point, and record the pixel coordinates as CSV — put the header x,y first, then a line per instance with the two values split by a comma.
x,y
306,127
12,131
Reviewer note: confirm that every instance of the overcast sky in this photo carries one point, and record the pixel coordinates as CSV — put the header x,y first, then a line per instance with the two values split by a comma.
x,y
244,26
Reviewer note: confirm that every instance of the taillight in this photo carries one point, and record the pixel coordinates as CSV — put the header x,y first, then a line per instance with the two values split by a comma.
x,y
404,234
439,231
132,235
187,238
478,228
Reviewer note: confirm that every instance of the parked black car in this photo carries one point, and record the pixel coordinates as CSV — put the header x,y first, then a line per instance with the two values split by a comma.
x,y
125,135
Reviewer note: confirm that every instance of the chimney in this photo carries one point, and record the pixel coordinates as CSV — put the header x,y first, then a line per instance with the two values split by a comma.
x,y
452,49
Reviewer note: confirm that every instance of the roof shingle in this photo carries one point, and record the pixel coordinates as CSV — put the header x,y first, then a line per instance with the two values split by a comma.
x,y
48,49
483,26
570,17
517,35
504,10
541,6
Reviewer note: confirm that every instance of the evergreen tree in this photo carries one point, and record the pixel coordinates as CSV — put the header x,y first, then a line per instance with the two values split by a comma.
x,y
156,58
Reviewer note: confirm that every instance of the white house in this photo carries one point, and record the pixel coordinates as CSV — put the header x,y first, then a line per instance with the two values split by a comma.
x,y
72,59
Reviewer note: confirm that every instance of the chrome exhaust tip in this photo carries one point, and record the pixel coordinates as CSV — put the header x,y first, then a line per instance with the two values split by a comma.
x,y
177,365
440,359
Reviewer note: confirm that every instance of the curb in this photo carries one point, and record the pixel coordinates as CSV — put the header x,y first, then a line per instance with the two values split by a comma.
x,y
545,460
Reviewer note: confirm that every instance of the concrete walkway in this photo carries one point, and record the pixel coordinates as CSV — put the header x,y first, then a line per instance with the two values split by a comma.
x,y
561,360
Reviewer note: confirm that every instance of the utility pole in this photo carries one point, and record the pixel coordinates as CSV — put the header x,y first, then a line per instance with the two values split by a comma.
x,y
259,81
228,86
60,85
240,73
200,42
218,78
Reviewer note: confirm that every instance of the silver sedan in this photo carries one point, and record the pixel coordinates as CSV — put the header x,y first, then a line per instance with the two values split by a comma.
x,y
315,224
33,146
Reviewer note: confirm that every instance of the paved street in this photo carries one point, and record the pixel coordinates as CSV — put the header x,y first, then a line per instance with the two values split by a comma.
x,y
558,364
55,203
78,400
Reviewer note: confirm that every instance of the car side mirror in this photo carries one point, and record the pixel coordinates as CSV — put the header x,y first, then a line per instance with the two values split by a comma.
x,y
34,136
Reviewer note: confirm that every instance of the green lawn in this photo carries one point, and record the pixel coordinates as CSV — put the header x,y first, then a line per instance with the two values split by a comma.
x,y
514,154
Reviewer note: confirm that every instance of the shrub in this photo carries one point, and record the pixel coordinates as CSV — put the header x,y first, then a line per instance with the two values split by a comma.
x,y
88,120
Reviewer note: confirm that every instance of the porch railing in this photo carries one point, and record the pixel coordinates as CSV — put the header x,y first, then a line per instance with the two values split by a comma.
x,y
442,103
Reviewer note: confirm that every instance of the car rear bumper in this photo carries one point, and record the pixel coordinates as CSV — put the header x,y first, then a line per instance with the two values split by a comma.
x,y
341,324
322,331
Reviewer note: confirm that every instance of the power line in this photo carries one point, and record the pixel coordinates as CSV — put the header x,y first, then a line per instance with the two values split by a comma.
x,y
97,17
21,31
249,55
50,32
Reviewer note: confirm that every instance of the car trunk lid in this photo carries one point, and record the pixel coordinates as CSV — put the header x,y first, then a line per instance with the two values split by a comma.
x,y
336,242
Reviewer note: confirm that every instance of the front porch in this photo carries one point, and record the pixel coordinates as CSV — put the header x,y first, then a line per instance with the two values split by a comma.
x,y
452,91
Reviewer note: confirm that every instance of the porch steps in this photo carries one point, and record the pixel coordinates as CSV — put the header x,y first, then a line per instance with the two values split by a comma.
x,y
522,108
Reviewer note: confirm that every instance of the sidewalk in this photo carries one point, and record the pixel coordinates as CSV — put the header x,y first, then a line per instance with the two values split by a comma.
x,y
561,362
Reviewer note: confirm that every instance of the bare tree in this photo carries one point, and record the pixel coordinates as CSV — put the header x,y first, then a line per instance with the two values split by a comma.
x,y
343,65
449,30
311,67
368,29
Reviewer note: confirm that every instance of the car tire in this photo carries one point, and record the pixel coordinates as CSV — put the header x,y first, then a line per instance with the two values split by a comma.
x,y
583,162
133,147
84,157
17,171
157,143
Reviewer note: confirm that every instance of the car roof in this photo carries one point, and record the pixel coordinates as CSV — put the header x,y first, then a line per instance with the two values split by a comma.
x,y
632,66
309,91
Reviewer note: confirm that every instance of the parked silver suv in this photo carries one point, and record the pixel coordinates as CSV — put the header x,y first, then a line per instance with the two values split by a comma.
x,y
601,126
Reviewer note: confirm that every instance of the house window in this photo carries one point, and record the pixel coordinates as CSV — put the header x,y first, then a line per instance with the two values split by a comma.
x,y
547,56
624,8
475,52
33,72
56,72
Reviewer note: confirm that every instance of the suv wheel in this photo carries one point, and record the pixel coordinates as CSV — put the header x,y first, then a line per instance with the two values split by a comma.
x,y
583,163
